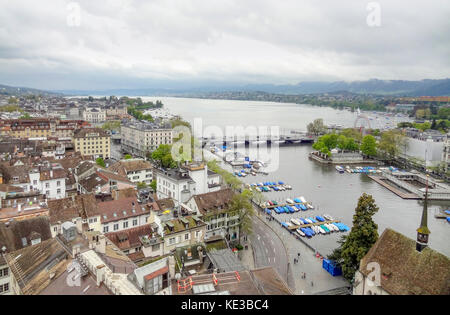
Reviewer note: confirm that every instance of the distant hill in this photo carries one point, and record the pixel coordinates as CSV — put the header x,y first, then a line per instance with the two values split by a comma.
x,y
373,86
20,91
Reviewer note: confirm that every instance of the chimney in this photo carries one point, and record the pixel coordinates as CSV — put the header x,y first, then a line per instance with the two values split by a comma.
x,y
100,274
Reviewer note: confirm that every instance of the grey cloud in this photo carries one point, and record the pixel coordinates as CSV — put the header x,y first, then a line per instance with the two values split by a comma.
x,y
255,41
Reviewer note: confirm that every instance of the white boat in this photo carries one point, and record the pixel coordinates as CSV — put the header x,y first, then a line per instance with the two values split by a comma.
x,y
300,232
295,221
335,228
328,217
289,201
309,206
322,231
302,199
340,169
328,226
309,221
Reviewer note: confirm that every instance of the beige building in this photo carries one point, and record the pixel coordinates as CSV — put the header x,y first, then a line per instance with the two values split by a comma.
x,y
93,141
185,231
139,138
94,115
40,127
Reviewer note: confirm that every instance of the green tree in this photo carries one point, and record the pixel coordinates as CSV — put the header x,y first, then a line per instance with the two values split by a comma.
x,y
25,116
444,113
127,157
100,162
13,101
141,185
392,142
231,181
357,243
241,205
369,146
163,156
153,185
317,127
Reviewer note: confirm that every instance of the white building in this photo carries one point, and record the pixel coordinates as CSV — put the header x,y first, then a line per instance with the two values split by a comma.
x,y
181,184
122,214
214,209
137,170
94,115
139,138
5,279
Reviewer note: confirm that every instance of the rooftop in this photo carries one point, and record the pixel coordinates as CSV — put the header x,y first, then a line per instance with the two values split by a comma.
x,y
214,201
120,209
35,267
406,271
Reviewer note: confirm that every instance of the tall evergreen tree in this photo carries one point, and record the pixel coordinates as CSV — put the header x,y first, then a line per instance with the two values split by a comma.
x,y
364,233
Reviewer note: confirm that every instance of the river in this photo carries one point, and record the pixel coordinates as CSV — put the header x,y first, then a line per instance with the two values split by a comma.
x,y
332,193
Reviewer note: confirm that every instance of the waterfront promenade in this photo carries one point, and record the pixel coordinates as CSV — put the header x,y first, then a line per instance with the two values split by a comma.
x,y
308,263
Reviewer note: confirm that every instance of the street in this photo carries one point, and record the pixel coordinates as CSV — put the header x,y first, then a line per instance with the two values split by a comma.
x,y
267,240
269,250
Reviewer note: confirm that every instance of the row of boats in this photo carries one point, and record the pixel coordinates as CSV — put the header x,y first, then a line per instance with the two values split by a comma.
x,y
291,206
309,227
269,186
244,173
358,169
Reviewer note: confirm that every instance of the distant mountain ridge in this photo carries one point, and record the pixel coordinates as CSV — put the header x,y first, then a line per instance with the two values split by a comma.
x,y
427,87
19,91
373,86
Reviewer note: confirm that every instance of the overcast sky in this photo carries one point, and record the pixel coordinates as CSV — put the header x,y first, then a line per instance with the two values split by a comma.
x,y
134,44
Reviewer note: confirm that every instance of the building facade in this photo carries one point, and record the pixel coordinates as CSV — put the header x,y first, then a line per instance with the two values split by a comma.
x,y
181,184
93,141
94,115
139,138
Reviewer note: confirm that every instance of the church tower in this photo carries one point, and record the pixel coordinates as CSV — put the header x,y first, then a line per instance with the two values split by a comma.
x,y
423,232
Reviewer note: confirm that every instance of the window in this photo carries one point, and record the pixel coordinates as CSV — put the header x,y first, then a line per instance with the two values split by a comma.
x,y
58,183
172,241
116,227
105,229
47,185
125,224
135,222
186,236
36,241
24,241
58,191
4,272
155,247
4,288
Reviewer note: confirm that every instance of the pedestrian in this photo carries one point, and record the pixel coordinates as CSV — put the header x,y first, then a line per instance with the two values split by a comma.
x,y
298,255
312,284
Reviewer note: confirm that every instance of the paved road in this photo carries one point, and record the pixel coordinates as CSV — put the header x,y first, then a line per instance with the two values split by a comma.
x,y
269,250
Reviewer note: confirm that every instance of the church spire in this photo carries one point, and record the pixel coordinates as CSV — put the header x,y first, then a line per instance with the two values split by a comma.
x,y
423,232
